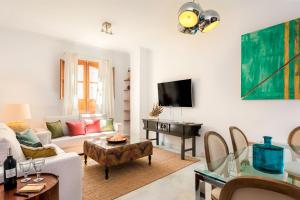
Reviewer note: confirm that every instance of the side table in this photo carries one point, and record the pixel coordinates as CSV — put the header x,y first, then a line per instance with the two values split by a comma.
x,y
50,192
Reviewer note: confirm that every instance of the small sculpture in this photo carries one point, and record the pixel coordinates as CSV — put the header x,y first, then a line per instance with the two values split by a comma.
x,y
156,110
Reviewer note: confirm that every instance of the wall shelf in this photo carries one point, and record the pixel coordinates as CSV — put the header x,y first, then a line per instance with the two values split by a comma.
x,y
126,116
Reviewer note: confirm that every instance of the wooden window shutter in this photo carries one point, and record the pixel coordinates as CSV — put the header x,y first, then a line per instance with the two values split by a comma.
x,y
62,78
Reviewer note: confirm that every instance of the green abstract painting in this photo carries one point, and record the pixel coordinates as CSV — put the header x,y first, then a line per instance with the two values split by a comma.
x,y
270,62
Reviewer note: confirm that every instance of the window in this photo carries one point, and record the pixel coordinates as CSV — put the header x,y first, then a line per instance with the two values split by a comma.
x,y
87,83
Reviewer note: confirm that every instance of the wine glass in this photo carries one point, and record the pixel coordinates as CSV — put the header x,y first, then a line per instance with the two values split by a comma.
x,y
25,167
38,165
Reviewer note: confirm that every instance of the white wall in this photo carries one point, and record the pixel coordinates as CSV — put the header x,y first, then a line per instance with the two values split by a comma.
x,y
29,71
141,63
213,62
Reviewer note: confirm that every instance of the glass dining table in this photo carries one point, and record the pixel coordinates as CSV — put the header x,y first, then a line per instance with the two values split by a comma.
x,y
241,164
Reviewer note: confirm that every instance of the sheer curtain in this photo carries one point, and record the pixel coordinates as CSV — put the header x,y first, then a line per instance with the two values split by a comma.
x,y
105,90
70,103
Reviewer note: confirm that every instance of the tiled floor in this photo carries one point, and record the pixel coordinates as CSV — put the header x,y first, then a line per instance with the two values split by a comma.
x,y
177,186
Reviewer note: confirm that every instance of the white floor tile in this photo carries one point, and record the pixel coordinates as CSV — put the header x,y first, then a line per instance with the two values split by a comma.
x,y
177,186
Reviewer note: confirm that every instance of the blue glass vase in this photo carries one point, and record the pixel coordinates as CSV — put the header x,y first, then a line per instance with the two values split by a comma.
x,y
268,158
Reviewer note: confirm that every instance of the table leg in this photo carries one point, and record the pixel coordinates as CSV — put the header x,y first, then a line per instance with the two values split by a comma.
x,y
106,172
157,138
85,159
182,148
149,159
194,146
147,134
199,191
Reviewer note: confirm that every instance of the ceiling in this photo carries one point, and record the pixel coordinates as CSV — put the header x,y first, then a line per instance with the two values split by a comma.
x,y
135,22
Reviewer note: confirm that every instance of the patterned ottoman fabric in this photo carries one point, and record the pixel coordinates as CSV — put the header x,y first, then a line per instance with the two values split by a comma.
x,y
114,154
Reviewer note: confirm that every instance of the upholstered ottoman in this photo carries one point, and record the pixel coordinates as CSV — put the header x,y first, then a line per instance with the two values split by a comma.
x,y
108,155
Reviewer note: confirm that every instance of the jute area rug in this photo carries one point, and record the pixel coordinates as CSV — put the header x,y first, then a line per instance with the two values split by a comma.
x,y
131,176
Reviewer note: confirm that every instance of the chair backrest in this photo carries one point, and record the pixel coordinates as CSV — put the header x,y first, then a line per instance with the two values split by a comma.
x,y
258,188
216,150
238,139
294,140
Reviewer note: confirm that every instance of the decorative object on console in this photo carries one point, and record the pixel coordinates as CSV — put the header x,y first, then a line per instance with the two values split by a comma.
x,y
156,111
271,62
76,128
192,18
38,152
267,157
55,128
15,114
28,138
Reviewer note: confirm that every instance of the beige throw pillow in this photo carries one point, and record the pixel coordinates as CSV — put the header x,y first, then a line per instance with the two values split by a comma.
x,y
38,152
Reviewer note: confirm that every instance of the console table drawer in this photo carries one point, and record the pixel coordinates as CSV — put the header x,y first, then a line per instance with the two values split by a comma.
x,y
163,127
150,125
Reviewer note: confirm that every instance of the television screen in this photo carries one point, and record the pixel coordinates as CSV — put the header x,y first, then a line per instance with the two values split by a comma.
x,y
176,93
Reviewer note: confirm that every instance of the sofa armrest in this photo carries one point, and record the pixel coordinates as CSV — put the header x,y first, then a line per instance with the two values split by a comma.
x,y
68,166
43,135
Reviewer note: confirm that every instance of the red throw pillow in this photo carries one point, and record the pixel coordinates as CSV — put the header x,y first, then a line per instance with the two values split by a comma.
x,y
92,126
76,128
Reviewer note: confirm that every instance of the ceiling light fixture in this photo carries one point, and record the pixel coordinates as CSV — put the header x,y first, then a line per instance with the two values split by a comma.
x,y
192,18
106,28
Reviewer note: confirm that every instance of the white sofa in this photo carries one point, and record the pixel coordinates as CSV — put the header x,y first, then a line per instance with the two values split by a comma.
x,y
68,166
67,141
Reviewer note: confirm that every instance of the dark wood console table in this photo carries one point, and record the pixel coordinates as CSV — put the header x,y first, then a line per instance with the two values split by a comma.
x,y
182,130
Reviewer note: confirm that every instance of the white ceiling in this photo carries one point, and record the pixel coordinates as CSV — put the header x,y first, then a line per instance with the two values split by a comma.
x,y
135,22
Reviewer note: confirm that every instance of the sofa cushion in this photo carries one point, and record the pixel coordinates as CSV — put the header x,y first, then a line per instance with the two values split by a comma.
x,y
8,135
76,128
55,128
107,124
92,126
39,152
28,138
63,119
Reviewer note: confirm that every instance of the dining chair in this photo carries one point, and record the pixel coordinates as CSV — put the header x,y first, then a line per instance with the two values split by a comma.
x,y
294,140
238,139
258,188
292,168
216,152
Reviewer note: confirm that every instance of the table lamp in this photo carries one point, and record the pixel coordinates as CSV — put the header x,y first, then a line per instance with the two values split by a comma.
x,y
15,116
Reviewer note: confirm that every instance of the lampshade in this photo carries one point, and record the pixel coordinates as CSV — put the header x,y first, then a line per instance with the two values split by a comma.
x,y
16,112
188,14
208,20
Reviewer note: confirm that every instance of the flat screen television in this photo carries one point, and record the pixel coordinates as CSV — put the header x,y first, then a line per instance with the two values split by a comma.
x,y
176,93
